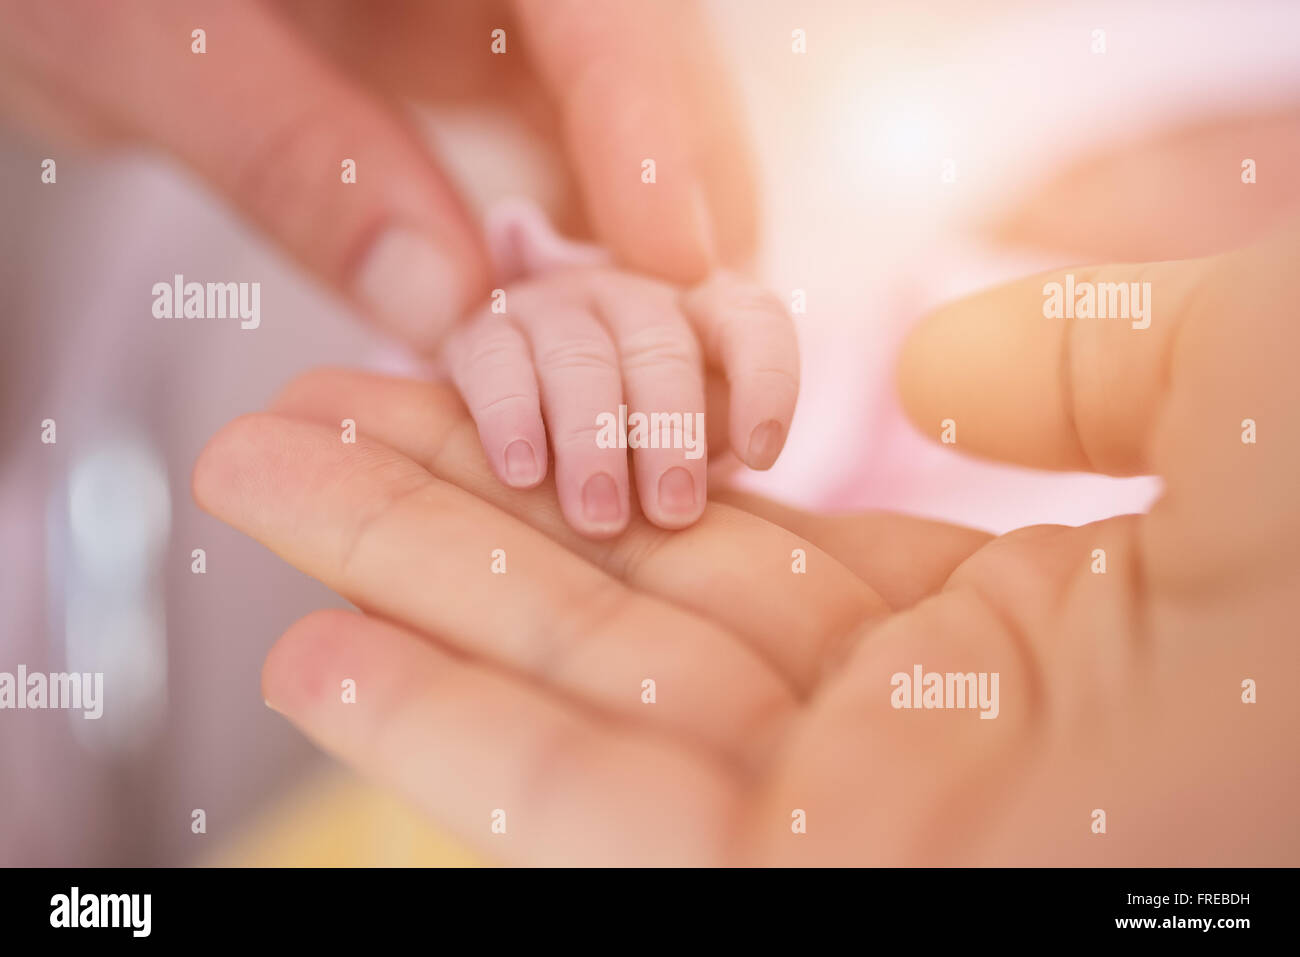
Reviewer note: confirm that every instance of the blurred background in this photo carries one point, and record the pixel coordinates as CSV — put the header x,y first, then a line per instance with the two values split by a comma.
x,y
915,152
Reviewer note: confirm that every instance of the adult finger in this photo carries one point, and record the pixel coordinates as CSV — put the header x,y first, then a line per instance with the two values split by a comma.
x,y
269,123
1188,397
808,598
1028,373
637,83
538,781
384,533
1130,204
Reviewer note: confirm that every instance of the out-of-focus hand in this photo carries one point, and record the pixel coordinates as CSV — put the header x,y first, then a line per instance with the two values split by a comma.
x,y
286,91
502,661
1130,203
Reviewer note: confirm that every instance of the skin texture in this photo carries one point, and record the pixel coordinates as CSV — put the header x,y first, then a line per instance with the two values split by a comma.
x,y
287,89
577,343
1119,691
1129,204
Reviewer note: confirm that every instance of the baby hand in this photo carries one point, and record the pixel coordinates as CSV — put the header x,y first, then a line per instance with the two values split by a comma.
x,y
572,346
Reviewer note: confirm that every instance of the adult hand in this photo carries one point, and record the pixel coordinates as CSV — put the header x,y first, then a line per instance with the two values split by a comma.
x,y
286,91
1128,203
1120,691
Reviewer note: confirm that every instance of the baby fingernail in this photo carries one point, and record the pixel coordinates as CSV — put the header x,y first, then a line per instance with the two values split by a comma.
x,y
521,463
410,287
764,444
677,491
600,499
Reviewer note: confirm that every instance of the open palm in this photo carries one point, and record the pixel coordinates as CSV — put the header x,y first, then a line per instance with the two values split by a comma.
x,y
501,662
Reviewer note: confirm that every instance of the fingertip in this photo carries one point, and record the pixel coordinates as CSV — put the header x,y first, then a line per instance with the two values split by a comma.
x,y
762,409
521,466
415,287
217,470
672,240
294,673
602,507
278,673
679,497
514,440
766,440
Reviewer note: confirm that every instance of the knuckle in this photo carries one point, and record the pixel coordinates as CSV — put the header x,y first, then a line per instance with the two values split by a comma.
x,y
765,379
578,436
661,348
492,350
756,303
585,354
522,401
733,296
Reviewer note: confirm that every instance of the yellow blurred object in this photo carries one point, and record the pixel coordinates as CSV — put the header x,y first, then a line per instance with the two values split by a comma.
x,y
334,820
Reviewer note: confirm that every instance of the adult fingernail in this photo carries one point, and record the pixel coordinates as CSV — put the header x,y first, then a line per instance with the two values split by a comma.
x,y
410,287
764,444
600,499
521,463
677,491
